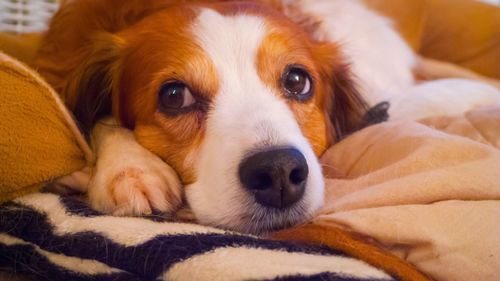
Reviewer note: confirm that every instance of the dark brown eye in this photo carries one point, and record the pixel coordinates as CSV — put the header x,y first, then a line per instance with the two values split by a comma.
x,y
297,83
175,98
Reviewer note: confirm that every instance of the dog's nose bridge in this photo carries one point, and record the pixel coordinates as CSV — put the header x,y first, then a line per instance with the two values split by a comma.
x,y
267,133
270,124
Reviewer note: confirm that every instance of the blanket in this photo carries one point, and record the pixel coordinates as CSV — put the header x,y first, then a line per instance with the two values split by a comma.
x,y
60,238
430,194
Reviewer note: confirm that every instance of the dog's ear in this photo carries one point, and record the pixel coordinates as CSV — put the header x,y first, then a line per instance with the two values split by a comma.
x,y
343,104
347,108
90,85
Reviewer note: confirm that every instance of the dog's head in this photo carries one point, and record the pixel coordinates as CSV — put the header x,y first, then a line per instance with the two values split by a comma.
x,y
237,98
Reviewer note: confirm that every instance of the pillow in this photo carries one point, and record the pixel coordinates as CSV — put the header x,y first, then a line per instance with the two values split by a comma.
x,y
39,141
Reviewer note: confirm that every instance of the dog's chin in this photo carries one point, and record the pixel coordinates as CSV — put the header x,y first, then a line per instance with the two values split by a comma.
x,y
261,220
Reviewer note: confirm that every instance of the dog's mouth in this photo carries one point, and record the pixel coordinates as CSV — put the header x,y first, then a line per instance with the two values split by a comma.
x,y
262,220
256,220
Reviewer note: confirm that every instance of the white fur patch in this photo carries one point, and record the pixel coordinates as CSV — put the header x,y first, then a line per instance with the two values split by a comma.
x,y
246,115
444,97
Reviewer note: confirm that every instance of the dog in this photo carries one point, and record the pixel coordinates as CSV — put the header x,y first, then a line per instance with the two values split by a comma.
x,y
224,104
238,99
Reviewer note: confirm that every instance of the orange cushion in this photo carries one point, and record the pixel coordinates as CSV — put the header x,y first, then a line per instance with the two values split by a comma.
x,y
463,32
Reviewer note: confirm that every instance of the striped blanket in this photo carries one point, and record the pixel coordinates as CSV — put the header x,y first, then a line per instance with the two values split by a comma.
x,y
52,237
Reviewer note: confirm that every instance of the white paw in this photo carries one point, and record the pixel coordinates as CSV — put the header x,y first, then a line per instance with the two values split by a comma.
x,y
129,180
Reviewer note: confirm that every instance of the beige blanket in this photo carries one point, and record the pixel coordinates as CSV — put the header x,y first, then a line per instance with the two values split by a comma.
x,y
430,197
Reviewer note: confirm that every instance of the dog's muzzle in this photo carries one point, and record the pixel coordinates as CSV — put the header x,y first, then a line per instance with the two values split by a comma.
x,y
277,178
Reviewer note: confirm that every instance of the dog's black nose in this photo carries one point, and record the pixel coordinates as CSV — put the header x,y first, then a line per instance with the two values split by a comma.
x,y
276,177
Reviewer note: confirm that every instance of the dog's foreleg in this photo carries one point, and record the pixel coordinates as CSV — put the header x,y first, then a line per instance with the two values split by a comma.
x,y
127,178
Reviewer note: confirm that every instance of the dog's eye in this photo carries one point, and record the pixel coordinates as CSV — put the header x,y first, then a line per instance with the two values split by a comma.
x,y
175,98
297,83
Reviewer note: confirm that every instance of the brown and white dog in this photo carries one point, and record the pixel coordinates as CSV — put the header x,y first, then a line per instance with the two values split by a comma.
x,y
228,102
238,100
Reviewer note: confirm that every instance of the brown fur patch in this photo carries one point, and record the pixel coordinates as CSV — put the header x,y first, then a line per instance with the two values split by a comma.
x,y
163,49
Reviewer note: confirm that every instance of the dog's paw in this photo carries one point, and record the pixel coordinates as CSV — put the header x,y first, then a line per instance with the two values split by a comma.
x,y
129,180
133,189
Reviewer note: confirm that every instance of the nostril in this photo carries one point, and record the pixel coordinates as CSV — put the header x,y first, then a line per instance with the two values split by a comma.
x,y
260,181
298,176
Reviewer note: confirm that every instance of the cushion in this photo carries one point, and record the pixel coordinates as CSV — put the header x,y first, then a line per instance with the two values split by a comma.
x,y
39,141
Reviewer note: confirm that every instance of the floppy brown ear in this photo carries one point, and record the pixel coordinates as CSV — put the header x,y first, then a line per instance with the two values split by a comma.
x,y
347,108
90,85
348,111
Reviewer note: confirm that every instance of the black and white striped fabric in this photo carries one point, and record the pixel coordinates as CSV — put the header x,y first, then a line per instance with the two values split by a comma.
x,y
59,238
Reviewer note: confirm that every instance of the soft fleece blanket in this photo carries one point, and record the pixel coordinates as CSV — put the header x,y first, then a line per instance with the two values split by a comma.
x,y
430,194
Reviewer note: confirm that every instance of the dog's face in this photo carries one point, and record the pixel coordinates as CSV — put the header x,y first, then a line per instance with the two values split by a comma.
x,y
240,101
